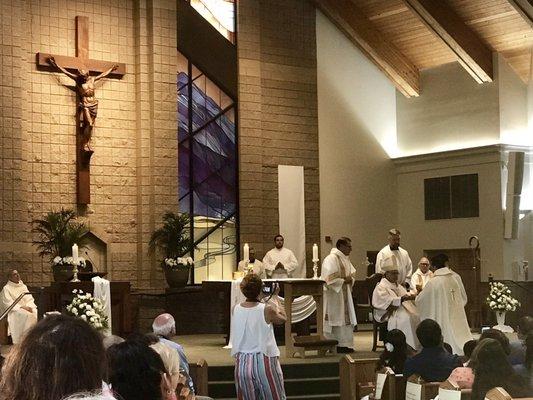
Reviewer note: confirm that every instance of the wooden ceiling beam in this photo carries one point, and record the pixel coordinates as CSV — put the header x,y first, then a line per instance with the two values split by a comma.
x,y
524,8
471,52
352,22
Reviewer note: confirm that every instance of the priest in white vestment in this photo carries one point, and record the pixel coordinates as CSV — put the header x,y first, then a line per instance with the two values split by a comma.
x,y
422,275
339,312
252,265
392,303
279,262
24,315
393,249
443,300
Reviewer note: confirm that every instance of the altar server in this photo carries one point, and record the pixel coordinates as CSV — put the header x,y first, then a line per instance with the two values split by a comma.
x,y
280,262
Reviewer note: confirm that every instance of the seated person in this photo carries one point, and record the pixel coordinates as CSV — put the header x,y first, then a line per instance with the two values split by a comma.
x,y
24,315
463,377
137,372
280,262
433,363
57,357
164,326
396,352
392,303
253,265
518,347
492,369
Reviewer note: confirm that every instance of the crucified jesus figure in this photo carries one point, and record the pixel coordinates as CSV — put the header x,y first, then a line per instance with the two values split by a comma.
x,y
88,106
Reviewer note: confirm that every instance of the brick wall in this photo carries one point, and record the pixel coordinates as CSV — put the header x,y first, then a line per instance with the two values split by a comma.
x,y
277,113
134,167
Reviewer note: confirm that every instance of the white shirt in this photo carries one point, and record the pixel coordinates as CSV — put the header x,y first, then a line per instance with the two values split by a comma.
x,y
257,267
419,278
251,333
402,259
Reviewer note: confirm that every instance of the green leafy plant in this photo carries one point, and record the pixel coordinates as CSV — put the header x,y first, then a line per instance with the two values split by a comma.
x,y
172,238
57,232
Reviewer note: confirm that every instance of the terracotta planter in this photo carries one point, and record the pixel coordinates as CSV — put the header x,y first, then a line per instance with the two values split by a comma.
x,y
177,277
62,273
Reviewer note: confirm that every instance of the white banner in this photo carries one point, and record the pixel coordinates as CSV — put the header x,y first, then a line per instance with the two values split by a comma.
x,y
291,204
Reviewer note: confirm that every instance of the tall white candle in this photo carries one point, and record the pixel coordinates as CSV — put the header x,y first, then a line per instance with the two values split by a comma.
x,y
75,252
315,252
246,252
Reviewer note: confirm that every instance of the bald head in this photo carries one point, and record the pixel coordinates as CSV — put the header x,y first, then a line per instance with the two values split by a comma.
x,y
164,325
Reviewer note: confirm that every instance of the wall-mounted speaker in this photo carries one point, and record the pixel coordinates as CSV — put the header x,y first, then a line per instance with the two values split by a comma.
x,y
515,177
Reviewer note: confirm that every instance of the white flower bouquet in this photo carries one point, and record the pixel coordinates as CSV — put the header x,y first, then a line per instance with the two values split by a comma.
x,y
500,298
68,261
89,309
179,262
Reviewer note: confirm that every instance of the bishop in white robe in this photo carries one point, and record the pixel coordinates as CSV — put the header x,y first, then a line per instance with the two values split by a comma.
x,y
279,262
422,275
392,303
393,249
443,300
339,312
24,315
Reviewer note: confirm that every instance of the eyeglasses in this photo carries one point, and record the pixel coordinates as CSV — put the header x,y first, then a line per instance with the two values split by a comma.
x,y
424,263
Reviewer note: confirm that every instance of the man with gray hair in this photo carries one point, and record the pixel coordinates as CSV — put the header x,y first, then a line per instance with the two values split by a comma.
x,y
164,326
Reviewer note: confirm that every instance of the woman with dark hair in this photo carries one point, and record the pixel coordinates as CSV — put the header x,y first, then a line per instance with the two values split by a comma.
x,y
136,372
58,356
396,352
258,373
492,369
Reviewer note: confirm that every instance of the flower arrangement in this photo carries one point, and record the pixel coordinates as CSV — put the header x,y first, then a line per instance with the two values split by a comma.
x,y
89,309
68,261
179,262
500,298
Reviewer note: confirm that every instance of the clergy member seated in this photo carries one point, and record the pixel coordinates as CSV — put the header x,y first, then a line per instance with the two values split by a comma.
x,y
443,300
252,265
433,363
24,315
339,312
393,249
279,262
422,275
394,304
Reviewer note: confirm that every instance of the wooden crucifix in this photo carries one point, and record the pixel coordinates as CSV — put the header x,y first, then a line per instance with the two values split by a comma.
x,y
80,69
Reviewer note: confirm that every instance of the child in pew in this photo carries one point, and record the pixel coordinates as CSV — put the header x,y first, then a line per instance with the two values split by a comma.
x,y
492,369
396,352
463,377
433,363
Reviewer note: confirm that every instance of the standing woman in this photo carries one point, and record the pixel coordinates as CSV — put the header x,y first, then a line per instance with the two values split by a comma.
x,y
258,373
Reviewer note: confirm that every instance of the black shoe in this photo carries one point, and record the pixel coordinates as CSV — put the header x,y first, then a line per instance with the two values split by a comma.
x,y
344,350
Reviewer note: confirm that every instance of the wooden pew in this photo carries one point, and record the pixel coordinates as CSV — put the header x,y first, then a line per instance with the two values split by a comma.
x,y
418,389
499,393
199,376
450,391
353,373
393,388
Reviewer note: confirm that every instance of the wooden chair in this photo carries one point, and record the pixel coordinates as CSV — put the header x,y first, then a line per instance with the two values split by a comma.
x,y
418,389
199,375
355,376
379,329
450,391
4,337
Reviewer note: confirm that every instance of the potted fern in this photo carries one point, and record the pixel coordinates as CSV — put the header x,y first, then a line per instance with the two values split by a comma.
x,y
172,241
57,232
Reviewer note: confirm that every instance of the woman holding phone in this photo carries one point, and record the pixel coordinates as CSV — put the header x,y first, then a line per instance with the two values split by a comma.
x,y
258,372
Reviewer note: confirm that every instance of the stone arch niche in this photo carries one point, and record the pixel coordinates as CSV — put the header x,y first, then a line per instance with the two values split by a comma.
x,y
95,250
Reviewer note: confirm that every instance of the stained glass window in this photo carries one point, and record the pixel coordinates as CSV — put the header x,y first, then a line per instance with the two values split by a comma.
x,y
219,13
207,154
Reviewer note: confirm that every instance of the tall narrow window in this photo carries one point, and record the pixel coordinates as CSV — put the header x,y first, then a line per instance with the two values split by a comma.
x,y
207,171
219,13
